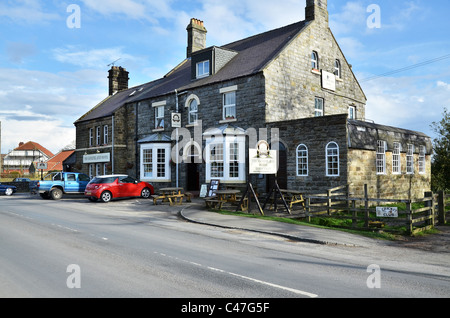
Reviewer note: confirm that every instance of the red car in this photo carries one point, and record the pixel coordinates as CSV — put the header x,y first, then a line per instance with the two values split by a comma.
x,y
111,187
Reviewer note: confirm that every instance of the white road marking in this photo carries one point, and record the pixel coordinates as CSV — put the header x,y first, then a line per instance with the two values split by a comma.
x,y
292,290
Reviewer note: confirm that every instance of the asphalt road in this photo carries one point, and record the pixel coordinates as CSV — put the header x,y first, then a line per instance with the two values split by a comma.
x,y
131,248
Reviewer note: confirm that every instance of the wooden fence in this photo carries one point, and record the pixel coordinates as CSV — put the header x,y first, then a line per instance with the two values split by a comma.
x,y
414,215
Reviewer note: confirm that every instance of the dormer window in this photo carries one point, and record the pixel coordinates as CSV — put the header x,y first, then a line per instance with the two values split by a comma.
x,y
203,69
315,60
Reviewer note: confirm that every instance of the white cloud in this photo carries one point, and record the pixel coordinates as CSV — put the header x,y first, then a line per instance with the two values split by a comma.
x,y
42,107
94,58
406,102
26,12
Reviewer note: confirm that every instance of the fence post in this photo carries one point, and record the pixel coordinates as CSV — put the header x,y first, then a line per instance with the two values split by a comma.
x,y
441,207
409,218
329,202
430,205
366,207
308,209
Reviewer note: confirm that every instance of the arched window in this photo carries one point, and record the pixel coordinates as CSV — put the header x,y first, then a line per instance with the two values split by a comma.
x,y
337,68
315,60
193,111
332,158
302,161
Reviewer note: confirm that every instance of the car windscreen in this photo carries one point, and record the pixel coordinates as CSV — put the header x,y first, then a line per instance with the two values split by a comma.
x,y
103,180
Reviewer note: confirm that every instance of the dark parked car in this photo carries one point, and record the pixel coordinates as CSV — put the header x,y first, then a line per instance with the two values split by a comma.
x,y
21,180
110,187
7,189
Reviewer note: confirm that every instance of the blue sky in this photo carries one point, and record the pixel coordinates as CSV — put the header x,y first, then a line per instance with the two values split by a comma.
x,y
51,74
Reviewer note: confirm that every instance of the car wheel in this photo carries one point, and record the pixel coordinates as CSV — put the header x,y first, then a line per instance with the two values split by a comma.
x,y
9,191
145,193
106,196
56,194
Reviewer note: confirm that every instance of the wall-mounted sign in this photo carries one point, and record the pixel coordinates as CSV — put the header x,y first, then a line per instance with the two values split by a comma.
x,y
328,80
97,158
262,160
387,212
176,120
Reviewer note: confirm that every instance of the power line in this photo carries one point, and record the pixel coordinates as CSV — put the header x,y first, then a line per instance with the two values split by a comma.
x,y
407,68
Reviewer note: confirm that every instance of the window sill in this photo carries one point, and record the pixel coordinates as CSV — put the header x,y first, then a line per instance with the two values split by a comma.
x,y
191,125
223,121
314,71
158,129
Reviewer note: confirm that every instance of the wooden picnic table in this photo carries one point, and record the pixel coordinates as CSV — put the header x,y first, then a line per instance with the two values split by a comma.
x,y
292,197
224,196
173,195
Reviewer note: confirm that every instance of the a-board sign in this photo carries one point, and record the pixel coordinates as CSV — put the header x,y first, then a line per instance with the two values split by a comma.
x,y
203,190
387,212
213,187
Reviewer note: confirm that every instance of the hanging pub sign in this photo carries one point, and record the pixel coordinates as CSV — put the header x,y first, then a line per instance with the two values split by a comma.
x,y
262,160
176,120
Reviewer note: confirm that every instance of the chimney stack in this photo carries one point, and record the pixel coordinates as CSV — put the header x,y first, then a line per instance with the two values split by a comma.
x,y
316,10
118,79
196,36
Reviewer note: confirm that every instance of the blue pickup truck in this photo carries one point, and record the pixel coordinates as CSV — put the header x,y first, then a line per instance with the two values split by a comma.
x,y
56,184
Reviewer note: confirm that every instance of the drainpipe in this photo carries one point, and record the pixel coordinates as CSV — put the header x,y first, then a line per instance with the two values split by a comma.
x,y
112,148
176,144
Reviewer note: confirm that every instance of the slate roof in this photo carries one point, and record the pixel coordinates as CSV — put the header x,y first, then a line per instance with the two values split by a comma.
x,y
364,135
254,53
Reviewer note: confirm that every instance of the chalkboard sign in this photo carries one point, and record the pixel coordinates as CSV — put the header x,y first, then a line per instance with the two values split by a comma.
x,y
213,187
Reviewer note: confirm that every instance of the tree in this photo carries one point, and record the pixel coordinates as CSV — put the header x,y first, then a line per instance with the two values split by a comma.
x,y
440,165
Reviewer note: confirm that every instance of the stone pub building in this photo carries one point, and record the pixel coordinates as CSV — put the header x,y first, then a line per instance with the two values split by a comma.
x,y
291,86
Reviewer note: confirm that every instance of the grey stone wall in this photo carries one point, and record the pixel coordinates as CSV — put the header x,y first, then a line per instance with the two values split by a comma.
x,y
292,85
315,133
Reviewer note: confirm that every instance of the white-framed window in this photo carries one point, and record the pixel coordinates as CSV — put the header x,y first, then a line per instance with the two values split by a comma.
x,y
302,161
229,105
193,111
91,170
318,107
105,169
396,162
203,69
225,158
91,137
422,153
105,134
337,68
98,169
159,117
381,157
314,60
155,162
332,159
351,112
99,136
410,159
